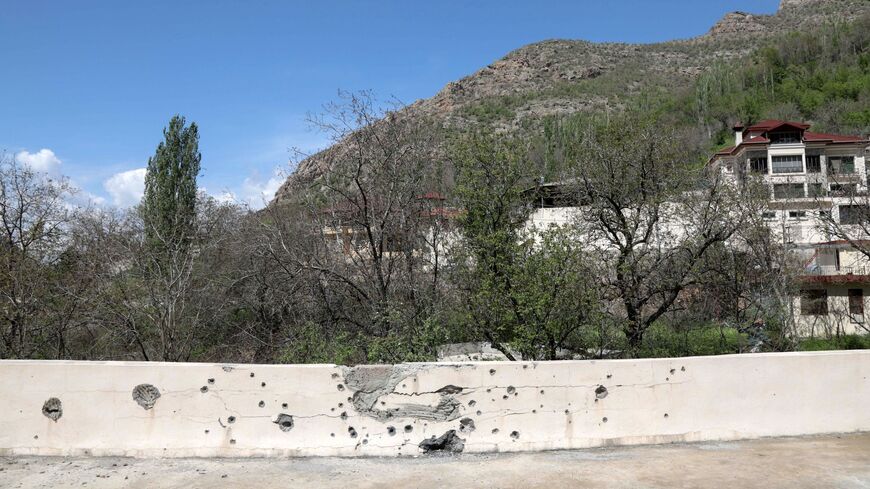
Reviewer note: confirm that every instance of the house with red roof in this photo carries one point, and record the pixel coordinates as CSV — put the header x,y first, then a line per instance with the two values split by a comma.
x,y
815,181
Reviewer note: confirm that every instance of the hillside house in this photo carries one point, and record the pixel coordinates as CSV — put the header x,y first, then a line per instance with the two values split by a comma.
x,y
813,179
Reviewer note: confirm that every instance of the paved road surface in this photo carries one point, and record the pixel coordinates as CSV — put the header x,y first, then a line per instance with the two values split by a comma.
x,y
810,462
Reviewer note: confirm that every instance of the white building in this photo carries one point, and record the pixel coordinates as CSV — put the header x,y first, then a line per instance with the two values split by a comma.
x,y
810,176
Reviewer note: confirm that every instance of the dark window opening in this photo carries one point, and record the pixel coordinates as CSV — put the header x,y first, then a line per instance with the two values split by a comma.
x,y
788,190
814,164
758,165
841,165
787,164
785,137
816,190
814,302
856,301
843,189
853,214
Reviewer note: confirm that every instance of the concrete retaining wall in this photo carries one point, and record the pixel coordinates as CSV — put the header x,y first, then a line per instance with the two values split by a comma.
x,y
113,408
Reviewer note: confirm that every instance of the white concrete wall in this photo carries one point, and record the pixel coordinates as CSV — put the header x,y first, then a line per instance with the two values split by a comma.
x,y
513,406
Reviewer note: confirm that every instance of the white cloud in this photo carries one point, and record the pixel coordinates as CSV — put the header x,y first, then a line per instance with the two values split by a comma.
x,y
43,161
126,188
257,193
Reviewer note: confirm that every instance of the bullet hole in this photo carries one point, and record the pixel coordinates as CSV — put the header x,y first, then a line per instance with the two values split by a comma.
x,y
542,391
261,404
52,409
262,384
341,404
391,430
232,441
449,389
666,415
504,396
351,432
340,387
403,386
673,371
35,437
466,425
567,412
515,435
227,368
489,390
408,428
600,392
206,432
495,431
667,379
492,371
448,442
211,381
203,389
365,442
471,403
284,405
604,419
343,415
284,422
349,399
534,411
252,375
511,389
332,435
525,367
146,395
231,419
609,375
334,376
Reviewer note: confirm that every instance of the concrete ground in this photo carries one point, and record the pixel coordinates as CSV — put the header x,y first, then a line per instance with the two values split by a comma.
x,y
836,461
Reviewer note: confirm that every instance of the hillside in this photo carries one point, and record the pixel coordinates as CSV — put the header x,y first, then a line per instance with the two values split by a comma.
x,y
565,77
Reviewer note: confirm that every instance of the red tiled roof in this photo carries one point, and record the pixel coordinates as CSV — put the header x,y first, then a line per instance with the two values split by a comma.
x,y
768,124
757,140
836,138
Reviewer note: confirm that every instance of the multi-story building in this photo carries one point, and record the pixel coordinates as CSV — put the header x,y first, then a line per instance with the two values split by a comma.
x,y
814,180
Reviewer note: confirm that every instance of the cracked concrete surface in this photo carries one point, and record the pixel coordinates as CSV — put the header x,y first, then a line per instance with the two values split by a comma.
x,y
209,410
794,463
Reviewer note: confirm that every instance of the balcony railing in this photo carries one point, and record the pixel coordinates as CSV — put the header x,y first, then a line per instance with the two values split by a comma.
x,y
825,270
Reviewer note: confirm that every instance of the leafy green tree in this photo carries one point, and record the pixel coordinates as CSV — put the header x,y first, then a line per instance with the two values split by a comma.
x,y
169,204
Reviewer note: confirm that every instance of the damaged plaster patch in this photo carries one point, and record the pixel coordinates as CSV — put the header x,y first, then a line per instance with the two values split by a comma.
x,y
284,422
146,395
600,392
448,442
52,409
370,382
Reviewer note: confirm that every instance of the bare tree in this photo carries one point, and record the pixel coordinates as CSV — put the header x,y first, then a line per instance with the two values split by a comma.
x,y
650,216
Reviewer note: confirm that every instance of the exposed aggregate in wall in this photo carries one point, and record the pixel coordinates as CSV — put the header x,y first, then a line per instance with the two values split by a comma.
x,y
82,408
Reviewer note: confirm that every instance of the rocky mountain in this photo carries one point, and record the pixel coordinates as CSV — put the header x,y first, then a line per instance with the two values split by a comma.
x,y
559,77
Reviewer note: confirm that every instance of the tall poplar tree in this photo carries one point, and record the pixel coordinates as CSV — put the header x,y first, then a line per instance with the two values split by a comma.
x,y
169,204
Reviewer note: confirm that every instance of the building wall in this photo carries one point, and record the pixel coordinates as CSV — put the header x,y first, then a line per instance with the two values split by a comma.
x,y
838,321
112,408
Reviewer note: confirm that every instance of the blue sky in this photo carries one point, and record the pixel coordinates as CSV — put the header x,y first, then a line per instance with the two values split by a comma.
x,y
88,86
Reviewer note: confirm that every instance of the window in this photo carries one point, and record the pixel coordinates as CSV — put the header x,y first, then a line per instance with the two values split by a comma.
x,y
797,214
814,302
768,215
816,190
785,137
853,214
842,189
787,164
856,301
824,213
788,190
758,165
841,165
814,164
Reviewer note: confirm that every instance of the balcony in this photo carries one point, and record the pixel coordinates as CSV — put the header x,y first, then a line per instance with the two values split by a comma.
x,y
832,274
